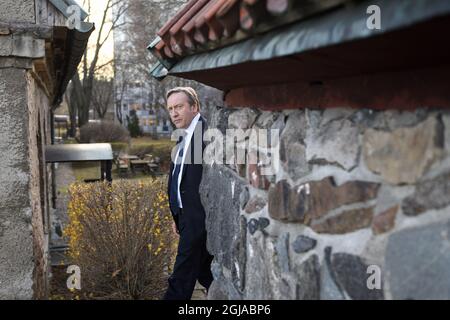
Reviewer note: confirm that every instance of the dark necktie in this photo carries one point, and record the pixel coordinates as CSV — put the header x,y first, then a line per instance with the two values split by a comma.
x,y
173,197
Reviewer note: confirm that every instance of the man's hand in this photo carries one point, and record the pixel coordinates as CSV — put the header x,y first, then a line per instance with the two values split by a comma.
x,y
174,227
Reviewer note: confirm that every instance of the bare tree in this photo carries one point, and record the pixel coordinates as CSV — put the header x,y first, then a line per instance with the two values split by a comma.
x,y
72,108
133,62
82,89
145,18
102,97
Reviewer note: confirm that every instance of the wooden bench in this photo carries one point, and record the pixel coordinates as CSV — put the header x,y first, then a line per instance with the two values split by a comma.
x,y
122,166
139,165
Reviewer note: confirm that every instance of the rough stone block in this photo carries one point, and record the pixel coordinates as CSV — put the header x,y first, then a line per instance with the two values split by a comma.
x,y
21,46
240,256
253,226
293,159
17,11
219,119
222,207
431,194
216,291
242,119
314,199
292,148
244,197
350,274
16,255
16,236
384,221
282,252
256,171
263,223
405,154
308,286
257,224
266,119
345,222
255,204
417,262
388,119
446,121
335,143
303,244
329,290
258,284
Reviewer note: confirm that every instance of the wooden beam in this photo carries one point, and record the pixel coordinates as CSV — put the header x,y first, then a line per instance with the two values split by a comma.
x,y
38,31
49,59
42,75
406,90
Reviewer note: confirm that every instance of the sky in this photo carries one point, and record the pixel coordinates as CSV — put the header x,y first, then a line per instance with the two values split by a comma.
x,y
95,15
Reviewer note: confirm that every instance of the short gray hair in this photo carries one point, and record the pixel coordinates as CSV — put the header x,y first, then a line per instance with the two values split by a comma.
x,y
189,92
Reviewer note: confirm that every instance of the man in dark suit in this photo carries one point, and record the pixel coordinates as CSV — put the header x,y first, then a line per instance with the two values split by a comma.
x,y
193,262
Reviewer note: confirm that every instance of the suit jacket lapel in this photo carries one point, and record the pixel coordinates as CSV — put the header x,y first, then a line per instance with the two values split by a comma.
x,y
170,177
191,149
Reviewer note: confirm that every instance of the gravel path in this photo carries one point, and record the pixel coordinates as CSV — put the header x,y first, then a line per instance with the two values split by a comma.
x,y
64,176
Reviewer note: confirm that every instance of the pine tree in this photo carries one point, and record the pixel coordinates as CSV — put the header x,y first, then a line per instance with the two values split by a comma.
x,y
133,125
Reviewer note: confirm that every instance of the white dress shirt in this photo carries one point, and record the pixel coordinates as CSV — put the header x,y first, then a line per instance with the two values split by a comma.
x,y
187,141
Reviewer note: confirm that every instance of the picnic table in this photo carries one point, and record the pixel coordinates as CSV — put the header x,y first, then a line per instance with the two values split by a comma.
x,y
123,162
122,166
141,165
134,163
138,164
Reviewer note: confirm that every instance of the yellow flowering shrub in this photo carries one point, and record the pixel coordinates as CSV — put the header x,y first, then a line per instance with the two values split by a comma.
x,y
120,235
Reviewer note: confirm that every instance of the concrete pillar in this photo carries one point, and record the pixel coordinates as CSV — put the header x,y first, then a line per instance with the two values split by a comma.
x,y
23,244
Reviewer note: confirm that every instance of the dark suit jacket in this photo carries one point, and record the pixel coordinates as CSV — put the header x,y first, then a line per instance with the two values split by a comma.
x,y
192,175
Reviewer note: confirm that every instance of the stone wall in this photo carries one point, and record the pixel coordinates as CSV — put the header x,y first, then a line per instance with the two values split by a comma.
x,y
358,207
23,204
38,137
16,250
18,11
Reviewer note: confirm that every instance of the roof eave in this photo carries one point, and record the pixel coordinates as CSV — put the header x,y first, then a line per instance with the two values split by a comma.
x,y
64,5
78,40
336,27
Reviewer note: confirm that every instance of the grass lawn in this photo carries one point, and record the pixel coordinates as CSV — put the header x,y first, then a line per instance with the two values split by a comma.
x,y
91,170
160,148
60,131
86,170
138,146
147,141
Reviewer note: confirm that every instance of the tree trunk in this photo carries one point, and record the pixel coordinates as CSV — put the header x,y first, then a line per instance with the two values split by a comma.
x,y
72,116
78,94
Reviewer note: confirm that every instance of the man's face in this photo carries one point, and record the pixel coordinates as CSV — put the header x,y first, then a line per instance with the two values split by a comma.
x,y
181,113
